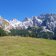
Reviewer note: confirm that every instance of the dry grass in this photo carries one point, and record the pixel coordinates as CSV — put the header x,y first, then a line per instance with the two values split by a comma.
x,y
26,46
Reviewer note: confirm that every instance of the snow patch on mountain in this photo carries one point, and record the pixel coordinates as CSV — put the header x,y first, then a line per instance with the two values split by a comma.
x,y
15,23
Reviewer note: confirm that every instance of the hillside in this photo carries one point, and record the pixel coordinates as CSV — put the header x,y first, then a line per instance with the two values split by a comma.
x,y
17,46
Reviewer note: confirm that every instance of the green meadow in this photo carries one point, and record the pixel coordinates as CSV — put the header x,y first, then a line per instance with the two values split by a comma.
x,y
26,46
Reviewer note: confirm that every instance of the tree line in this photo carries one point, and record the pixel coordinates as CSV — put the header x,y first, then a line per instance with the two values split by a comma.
x,y
35,32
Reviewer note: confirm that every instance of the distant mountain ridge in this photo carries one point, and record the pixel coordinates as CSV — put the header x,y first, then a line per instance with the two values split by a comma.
x,y
47,21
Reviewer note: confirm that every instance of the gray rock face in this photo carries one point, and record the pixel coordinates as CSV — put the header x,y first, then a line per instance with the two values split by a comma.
x,y
49,21
36,21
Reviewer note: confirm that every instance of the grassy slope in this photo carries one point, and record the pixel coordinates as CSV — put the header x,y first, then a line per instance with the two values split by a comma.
x,y
14,46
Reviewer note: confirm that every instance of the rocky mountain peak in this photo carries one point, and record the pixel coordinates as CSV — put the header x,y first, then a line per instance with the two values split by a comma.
x,y
47,20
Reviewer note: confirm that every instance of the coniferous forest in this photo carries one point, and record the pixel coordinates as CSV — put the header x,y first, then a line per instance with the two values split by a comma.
x,y
34,32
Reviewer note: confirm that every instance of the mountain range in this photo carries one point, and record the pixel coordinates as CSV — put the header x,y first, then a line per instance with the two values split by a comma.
x,y
47,21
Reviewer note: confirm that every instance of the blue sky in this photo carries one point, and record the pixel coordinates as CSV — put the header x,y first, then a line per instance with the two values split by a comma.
x,y
26,8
